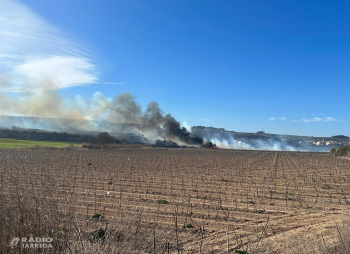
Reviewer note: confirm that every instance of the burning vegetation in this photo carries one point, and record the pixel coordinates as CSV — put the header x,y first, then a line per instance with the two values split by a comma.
x,y
209,144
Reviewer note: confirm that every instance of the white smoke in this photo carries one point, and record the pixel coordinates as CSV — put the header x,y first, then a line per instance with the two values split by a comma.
x,y
229,142
273,146
98,113
186,125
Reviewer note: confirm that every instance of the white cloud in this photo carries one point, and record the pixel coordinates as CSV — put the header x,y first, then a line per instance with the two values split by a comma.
x,y
35,55
205,120
65,71
271,119
329,119
283,118
315,119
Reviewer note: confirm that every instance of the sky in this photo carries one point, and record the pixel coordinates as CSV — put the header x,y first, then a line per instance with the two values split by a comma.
x,y
276,66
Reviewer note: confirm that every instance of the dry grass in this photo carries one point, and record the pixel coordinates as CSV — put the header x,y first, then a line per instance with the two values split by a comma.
x,y
261,202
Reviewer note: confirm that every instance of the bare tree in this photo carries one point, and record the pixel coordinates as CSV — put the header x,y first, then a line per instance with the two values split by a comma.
x,y
104,138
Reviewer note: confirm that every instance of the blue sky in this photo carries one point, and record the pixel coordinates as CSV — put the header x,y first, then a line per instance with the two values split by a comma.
x,y
278,66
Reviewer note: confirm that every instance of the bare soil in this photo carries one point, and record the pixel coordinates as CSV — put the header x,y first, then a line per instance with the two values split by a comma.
x,y
259,201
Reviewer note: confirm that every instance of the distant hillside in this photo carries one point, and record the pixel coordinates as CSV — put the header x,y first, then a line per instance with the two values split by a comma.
x,y
42,135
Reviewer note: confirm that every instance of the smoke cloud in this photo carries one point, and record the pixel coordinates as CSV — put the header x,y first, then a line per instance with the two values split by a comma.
x,y
122,109
231,143
255,141
47,109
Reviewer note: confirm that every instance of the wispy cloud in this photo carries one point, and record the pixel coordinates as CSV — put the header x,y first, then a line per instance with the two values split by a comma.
x,y
63,71
316,119
36,55
274,118
330,119
205,120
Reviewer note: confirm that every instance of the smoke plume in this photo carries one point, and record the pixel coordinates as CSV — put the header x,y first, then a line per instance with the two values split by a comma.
x,y
257,144
122,109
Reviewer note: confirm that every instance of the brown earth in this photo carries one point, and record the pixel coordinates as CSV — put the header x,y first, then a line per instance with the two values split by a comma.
x,y
263,202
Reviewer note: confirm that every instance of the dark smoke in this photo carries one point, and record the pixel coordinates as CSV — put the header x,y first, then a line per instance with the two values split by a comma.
x,y
173,129
123,109
153,120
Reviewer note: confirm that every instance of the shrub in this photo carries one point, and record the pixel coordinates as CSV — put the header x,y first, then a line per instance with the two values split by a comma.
x,y
89,146
98,234
189,225
96,216
162,201
343,151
